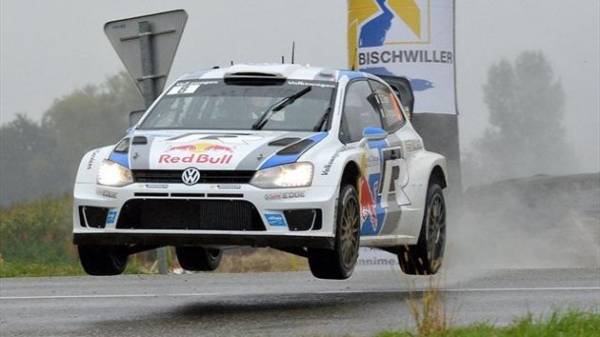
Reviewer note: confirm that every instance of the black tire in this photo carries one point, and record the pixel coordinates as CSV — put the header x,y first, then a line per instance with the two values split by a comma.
x,y
425,258
103,260
338,264
198,258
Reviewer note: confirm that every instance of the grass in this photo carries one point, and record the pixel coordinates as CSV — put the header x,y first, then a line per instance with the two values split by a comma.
x,y
25,269
35,240
260,260
428,310
569,324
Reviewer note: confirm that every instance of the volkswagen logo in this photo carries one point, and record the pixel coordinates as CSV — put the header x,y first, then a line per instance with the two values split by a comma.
x,y
190,176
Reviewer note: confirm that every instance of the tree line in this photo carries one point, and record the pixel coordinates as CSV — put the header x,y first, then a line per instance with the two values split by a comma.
x,y
41,158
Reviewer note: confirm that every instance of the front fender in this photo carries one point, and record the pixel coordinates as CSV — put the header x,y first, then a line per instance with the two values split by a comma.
x,y
88,167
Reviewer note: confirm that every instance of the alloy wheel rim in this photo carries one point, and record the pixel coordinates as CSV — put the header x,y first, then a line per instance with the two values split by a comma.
x,y
436,230
349,233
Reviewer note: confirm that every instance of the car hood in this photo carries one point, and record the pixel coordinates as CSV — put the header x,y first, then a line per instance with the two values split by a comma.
x,y
249,150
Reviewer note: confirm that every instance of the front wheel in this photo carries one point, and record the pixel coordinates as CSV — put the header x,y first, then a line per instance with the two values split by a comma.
x,y
338,264
425,258
198,258
103,260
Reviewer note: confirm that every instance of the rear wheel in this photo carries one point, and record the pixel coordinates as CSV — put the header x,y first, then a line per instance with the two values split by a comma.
x,y
425,258
198,258
339,263
103,260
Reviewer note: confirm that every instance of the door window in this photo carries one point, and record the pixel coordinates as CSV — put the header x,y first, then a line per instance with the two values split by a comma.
x,y
359,112
390,108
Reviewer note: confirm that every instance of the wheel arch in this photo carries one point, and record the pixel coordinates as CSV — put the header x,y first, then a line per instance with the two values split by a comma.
x,y
350,174
438,175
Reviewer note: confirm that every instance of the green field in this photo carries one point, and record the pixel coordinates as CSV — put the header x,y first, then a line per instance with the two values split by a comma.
x,y
36,240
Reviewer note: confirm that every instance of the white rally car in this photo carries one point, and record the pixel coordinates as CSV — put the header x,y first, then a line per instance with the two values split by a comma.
x,y
306,160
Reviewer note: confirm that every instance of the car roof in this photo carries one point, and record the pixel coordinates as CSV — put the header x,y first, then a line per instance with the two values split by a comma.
x,y
288,71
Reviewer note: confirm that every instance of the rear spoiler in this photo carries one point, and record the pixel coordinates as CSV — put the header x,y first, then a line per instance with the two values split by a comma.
x,y
403,89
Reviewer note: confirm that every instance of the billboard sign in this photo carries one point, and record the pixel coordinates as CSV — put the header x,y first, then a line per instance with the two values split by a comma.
x,y
411,38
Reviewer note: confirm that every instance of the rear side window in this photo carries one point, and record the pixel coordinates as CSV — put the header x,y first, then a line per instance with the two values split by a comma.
x,y
390,109
359,112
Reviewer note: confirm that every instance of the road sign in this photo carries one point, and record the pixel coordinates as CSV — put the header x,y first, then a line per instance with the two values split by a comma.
x,y
147,45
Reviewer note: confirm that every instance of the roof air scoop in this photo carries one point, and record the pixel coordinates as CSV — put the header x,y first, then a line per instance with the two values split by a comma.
x,y
254,78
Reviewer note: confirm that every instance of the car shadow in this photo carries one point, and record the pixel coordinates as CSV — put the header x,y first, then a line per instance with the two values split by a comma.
x,y
271,314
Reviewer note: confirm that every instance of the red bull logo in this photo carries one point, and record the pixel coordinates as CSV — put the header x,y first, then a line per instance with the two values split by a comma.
x,y
199,153
367,204
201,148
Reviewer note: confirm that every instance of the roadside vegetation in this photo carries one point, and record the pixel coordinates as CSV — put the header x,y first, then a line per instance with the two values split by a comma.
x,y
432,319
36,240
569,324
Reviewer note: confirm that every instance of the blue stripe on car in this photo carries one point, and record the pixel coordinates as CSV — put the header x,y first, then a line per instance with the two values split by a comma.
x,y
278,159
120,158
350,73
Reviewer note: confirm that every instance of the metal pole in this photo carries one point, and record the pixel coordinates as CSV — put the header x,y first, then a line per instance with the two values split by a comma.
x,y
147,62
149,92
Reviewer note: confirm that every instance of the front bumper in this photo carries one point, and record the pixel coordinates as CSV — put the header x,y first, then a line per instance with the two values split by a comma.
x,y
268,203
146,239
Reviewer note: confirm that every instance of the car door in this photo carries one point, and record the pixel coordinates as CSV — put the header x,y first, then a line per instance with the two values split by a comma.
x,y
394,171
359,112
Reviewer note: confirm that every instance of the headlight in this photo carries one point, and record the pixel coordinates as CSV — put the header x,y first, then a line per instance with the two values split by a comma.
x,y
291,175
113,174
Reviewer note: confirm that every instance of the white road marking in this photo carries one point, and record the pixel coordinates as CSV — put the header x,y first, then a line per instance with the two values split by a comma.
x,y
442,290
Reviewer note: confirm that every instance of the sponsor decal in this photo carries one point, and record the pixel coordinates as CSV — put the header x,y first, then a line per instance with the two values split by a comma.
x,y
327,168
111,217
201,148
194,158
157,185
372,213
198,153
275,220
188,87
368,214
106,193
229,187
92,160
284,195
311,83
412,145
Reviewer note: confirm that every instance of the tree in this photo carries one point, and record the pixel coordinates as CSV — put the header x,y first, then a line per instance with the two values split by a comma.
x,y
24,148
41,159
526,135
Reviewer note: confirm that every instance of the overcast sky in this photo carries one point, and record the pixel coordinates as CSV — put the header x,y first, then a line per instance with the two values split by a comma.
x,y
49,48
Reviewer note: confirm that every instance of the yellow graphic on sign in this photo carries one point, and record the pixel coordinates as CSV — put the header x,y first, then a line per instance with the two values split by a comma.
x,y
370,20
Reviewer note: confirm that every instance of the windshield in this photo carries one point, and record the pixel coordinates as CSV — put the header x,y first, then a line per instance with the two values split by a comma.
x,y
291,105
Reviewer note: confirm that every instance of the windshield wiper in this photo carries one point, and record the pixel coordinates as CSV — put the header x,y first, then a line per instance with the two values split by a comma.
x,y
321,121
277,106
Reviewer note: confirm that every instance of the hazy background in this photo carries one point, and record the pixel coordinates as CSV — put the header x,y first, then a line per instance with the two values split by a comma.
x,y
58,69
49,48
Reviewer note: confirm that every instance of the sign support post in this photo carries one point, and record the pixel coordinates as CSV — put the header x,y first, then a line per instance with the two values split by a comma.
x,y
149,60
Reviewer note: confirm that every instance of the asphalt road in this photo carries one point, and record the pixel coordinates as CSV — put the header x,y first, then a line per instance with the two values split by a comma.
x,y
277,304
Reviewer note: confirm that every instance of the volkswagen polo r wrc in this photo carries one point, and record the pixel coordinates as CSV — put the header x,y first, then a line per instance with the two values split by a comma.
x,y
311,161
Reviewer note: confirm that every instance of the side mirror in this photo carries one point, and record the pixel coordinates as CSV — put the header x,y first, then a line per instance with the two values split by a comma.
x,y
135,117
373,133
